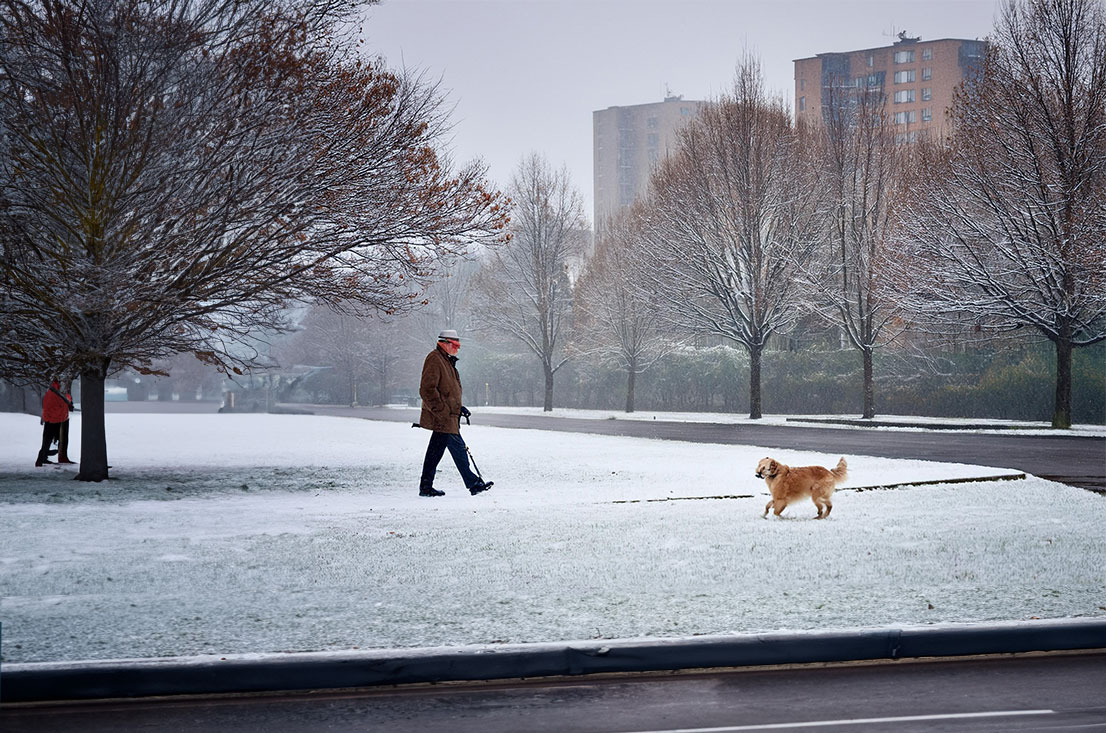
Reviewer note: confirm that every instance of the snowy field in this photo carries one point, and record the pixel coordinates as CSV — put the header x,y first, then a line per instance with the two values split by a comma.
x,y
233,534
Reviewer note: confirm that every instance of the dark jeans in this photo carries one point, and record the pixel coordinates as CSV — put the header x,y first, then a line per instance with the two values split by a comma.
x,y
50,432
434,452
63,441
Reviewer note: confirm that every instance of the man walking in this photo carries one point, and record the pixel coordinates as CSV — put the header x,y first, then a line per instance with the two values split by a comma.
x,y
440,390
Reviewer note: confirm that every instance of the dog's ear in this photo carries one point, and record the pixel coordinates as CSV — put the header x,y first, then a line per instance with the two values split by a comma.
x,y
774,467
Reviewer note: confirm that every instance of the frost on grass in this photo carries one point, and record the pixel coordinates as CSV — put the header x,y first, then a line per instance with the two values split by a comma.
x,y
283,534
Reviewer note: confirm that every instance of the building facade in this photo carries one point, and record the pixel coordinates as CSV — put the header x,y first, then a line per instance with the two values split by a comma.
x,y
916,79
628,143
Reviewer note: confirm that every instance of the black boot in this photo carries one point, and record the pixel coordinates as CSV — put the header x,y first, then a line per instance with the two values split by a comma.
x,y
427,490
479,487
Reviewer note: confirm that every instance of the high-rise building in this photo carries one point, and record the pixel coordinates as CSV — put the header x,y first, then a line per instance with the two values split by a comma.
x,y
916,78
628,143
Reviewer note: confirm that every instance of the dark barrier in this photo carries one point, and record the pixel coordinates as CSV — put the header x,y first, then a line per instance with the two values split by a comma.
x,y
322,671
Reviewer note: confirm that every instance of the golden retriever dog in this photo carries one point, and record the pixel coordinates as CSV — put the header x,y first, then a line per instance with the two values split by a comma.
x,y
789,484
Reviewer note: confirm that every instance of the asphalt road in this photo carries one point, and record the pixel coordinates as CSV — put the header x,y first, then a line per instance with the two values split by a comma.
x,y
1043,692
1074,460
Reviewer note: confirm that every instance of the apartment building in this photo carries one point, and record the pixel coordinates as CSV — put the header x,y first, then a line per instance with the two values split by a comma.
x,y
916,78
628,142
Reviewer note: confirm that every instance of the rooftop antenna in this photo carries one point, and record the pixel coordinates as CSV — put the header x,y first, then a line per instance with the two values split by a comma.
x,y
901,35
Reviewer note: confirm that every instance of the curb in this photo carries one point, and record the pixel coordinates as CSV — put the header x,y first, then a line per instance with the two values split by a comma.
x,y
937,426
938,482
62,681
857,489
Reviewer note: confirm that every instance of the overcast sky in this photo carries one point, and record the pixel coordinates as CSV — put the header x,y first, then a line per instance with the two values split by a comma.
x,y
526,75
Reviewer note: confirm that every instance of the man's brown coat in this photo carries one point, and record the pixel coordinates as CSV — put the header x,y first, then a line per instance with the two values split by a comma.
x,y
440,390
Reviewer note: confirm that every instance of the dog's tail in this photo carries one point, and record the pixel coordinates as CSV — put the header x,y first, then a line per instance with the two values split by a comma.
x,y
841,472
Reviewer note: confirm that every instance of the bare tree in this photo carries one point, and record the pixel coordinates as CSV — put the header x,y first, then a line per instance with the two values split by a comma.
x,y
863,173
616,319
174,173
337,340
448,306
731,217
1009,227
523,289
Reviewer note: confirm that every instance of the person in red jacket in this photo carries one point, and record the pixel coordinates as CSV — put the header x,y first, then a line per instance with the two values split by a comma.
x,y
55,411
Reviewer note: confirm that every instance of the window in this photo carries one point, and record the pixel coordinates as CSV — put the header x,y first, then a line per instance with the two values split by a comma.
x,y
802,104
904,95
927,93
871,60
927,54
802,85
904,77
904,57
927,73
902,118
927,114
651,123
685,111
906,137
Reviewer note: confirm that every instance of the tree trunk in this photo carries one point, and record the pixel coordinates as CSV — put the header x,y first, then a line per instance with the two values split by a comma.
x,y
754,381
1061,415
630,379
869,386
548,407
94,443
382,387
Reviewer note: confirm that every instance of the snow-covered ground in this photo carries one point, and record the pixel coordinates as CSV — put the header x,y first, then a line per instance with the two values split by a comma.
x,y
232,534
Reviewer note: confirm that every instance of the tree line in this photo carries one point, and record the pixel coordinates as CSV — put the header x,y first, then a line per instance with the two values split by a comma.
x,y
754,224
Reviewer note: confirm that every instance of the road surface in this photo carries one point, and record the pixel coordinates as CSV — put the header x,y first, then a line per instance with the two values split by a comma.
x,y
1042,692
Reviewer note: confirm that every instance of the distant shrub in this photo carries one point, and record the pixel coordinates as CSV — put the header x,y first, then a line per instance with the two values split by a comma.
x,y
1015,383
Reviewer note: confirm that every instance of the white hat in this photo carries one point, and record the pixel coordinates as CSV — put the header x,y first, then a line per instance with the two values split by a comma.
x,y
449,333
